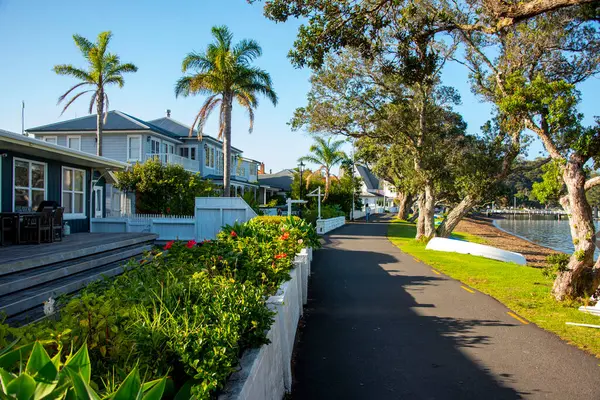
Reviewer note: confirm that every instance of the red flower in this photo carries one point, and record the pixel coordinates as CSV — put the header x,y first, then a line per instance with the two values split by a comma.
x,y
168,210
190,244
285,236
233,234
168,245
280,256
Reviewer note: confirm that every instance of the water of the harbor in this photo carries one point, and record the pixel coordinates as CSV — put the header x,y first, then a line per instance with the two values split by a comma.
x,y
548,232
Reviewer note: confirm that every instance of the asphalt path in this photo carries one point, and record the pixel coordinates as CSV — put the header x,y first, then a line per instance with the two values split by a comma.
x,y
380,325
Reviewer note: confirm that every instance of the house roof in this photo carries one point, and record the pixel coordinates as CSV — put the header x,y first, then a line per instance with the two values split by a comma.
x,y
182,130
282,179
115,121
371,181
30,146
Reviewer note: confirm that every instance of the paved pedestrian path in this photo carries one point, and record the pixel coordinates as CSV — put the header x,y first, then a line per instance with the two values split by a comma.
x,y
380,325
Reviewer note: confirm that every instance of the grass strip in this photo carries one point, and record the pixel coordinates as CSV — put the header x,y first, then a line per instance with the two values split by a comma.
x,y
523,289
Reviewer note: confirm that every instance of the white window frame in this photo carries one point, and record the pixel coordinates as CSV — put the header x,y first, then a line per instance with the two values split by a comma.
x,y
73,192
55,138
207,157
14,186
74,137
139,159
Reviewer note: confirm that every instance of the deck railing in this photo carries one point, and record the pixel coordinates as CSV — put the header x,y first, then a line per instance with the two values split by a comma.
x,y
168,158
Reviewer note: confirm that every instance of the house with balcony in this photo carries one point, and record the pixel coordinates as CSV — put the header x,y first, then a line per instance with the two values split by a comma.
x,y
131,140
374,191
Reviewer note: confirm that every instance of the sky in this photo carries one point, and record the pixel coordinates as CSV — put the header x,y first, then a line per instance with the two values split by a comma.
x,y
156,35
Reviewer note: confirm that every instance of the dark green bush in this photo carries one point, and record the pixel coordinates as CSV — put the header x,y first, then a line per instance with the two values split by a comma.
x,y
187,313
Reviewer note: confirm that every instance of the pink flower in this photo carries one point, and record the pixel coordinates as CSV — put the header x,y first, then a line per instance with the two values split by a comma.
x,y
168,245
190,244
300,241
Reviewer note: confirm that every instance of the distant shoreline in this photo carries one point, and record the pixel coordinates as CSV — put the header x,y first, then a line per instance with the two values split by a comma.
x,y
534,253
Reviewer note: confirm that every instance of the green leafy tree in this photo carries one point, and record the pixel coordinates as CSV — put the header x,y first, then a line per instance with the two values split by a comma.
x,y
326,154
550,188
164,189
104,69
225,73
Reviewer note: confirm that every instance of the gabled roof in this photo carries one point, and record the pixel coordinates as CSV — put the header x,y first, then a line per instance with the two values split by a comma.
x,y
182,130
30,146
371,181
115,121
282,179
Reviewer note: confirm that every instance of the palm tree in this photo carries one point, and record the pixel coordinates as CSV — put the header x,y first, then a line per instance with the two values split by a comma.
x,y
104,69
224,73
326,154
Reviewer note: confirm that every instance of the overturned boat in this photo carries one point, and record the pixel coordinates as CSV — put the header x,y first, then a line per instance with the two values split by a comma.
x,y
462,247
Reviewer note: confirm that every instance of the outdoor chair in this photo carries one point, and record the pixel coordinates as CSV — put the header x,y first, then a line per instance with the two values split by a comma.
x,y
57,224
35,228
8,230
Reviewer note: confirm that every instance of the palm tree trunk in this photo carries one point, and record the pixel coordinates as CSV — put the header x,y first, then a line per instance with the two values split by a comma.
x,y
99,121
226,145
327,183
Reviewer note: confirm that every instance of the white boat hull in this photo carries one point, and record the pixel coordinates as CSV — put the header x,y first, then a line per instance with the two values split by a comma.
x,y
458,246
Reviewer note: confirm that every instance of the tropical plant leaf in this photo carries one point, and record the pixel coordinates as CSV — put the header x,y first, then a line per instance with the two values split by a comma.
x,y
130,388
157,390
80,362
21,388
81,388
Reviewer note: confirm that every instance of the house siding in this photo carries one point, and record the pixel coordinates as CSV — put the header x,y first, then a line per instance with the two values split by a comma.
x,y
114,146
88,144
53,185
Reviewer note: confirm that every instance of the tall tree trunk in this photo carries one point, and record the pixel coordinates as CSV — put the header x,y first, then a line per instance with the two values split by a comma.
x,y
421,217
327,184
429,211
226,145
405,200
455,216
580,278
99,121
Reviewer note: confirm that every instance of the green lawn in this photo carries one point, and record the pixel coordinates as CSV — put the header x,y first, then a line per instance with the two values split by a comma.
x,y
523,289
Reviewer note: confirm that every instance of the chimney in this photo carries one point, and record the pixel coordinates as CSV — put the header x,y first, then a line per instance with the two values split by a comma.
x,y
168,113
261,168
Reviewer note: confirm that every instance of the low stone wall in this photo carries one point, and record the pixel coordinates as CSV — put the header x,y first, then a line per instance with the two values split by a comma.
x,y
266,373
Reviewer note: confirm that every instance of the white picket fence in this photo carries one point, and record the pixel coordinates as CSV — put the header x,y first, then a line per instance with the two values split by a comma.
x,y
327,225
211,214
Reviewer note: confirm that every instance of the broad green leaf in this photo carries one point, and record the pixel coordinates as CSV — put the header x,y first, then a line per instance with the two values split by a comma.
x,y
10,358
80,362
130,388
22,388
37,360
185,393
157,390
82,389
5,378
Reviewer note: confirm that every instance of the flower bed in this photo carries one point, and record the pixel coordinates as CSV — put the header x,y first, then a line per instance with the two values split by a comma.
x,y
187,313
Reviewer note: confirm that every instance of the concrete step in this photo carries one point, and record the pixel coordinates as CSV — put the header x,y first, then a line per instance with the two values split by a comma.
x,y
28,278
16,304
46,254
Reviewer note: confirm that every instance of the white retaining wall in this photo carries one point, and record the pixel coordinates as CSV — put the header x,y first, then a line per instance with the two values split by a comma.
x,y
326,225
266,373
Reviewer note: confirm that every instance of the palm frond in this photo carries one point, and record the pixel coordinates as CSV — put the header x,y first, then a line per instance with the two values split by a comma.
x,y
73,99
61,98
247,104
83,44
102,41
197,61
119,69
92,101
70,70
115,79
223,36
246,50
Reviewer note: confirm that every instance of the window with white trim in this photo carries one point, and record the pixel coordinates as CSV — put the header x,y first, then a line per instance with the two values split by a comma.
x,y
29,184
134,148
74,142
73,191
212,157
50,139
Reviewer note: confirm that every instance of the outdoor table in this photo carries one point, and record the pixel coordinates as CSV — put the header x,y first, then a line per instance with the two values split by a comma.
x,y
18,216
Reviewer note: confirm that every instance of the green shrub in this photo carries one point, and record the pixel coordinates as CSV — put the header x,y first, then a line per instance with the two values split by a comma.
x,y
556,263
189,312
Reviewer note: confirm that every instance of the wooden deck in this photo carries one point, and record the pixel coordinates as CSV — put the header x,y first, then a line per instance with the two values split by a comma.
x,y
16,257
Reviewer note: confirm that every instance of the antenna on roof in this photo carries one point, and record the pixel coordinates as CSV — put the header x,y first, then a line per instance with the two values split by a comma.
x,y
168,113
23,117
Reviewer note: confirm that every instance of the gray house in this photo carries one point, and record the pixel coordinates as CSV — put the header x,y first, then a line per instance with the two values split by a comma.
x,y
130,139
